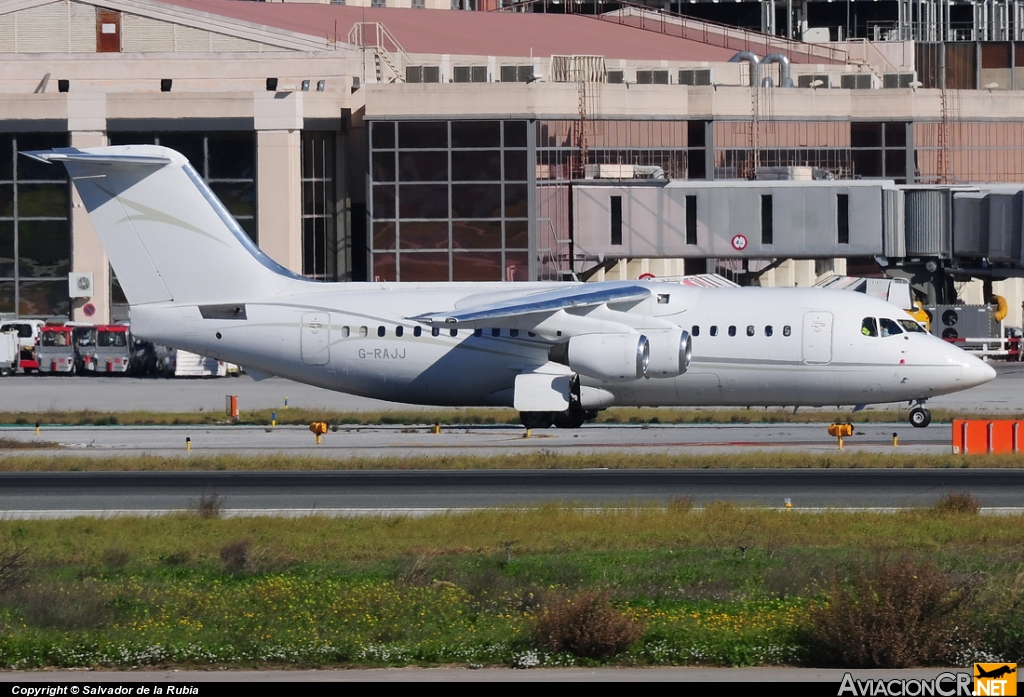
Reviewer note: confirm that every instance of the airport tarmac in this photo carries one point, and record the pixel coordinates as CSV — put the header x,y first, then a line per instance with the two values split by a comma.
x,y
42,393
483,440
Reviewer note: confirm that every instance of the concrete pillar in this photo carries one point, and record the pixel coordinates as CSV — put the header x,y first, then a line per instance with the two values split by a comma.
x,y
279,196
87,124
804,275
278,121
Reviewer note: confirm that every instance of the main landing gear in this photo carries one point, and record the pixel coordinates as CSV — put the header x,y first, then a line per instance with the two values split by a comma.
x,y
573,417
919,416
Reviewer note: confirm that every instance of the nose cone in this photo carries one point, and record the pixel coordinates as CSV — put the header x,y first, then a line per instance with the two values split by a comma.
x,y
975,371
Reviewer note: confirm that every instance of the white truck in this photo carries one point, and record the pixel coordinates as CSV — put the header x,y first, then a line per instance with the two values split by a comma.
x,y
9,353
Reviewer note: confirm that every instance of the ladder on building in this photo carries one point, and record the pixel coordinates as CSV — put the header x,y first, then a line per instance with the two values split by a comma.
x,y
389,57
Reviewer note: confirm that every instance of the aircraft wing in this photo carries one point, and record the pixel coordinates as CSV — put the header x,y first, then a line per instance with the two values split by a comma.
x,y
537,306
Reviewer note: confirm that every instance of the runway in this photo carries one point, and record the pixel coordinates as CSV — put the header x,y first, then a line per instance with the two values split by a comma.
x,y
485,441
63,494
37,393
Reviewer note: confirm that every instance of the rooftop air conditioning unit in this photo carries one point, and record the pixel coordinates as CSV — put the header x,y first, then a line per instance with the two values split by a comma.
x,y
698,77
80,285
898,80
818,80
859,81
652,77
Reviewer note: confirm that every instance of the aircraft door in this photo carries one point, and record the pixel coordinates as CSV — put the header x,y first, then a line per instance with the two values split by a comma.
x,y
818,337
315,339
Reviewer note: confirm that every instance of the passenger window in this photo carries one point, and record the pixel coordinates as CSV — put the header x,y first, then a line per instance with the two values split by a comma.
x,y
416,331
478,332
344,332
732,330
786,331
435,331
714,330
750,330
454,332
513,333
363,331
768,330
381,331
695,330
868,327
399,331
889,327
531,334
495,332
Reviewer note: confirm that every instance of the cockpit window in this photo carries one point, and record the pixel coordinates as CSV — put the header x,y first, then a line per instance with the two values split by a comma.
x,y
889,327
869,327
911,326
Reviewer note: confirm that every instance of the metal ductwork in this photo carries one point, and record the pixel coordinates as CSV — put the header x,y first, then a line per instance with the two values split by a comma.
x,y
784,78
755,65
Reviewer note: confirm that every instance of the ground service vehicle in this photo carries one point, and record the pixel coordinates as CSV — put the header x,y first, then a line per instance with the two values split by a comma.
x,y
28,338
556,352
9,353
114,349
85,348
56,350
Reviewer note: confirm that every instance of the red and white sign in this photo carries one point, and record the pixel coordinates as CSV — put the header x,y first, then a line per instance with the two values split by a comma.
x,y
739,242
88,309
645,277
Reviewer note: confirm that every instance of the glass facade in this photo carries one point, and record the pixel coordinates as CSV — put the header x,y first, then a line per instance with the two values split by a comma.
x,y
226,160
35,229
449,201
319,206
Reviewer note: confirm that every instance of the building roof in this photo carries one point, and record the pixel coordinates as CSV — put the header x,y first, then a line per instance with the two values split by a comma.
x,y
470,33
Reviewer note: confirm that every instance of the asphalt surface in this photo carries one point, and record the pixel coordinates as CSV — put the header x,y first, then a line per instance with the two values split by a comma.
x,y
502,441
419,492
41,393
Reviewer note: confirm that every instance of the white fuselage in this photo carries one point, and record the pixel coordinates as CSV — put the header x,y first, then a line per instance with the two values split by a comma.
x,y
790,347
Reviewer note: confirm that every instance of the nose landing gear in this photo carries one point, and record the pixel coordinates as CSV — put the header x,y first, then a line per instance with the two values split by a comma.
x,y
919,416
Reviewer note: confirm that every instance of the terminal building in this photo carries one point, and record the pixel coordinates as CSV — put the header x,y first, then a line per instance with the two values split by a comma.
x,y
414,143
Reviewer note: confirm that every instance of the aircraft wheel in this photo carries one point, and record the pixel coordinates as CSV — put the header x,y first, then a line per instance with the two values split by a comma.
x,y
920,417
573,418
536,419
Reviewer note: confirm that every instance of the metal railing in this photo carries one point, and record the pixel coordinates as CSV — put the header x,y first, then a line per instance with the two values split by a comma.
x,y
376,37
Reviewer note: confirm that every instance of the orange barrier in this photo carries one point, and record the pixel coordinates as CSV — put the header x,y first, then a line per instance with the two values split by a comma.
x,y
981,436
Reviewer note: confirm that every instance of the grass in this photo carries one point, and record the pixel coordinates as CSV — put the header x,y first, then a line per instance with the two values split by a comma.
x,y
616,415
15,461
544,530
719,586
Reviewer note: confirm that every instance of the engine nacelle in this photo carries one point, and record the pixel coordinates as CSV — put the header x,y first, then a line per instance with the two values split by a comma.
x,y
671,352
611,357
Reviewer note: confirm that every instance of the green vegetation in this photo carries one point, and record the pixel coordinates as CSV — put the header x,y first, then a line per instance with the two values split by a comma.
x,y
617,415
67,461
552,586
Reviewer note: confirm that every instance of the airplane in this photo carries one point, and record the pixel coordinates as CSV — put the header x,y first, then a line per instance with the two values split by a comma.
x,y
995,672
558,352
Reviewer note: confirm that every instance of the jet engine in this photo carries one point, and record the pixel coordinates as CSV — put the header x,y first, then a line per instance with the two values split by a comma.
x,y
671,351
611,357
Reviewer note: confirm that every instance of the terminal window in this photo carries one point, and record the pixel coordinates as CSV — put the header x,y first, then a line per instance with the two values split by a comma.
x,y
226,160
450,201
35,230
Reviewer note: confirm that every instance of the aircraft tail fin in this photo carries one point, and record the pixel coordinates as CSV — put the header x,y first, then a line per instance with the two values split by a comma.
x,y
168,237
